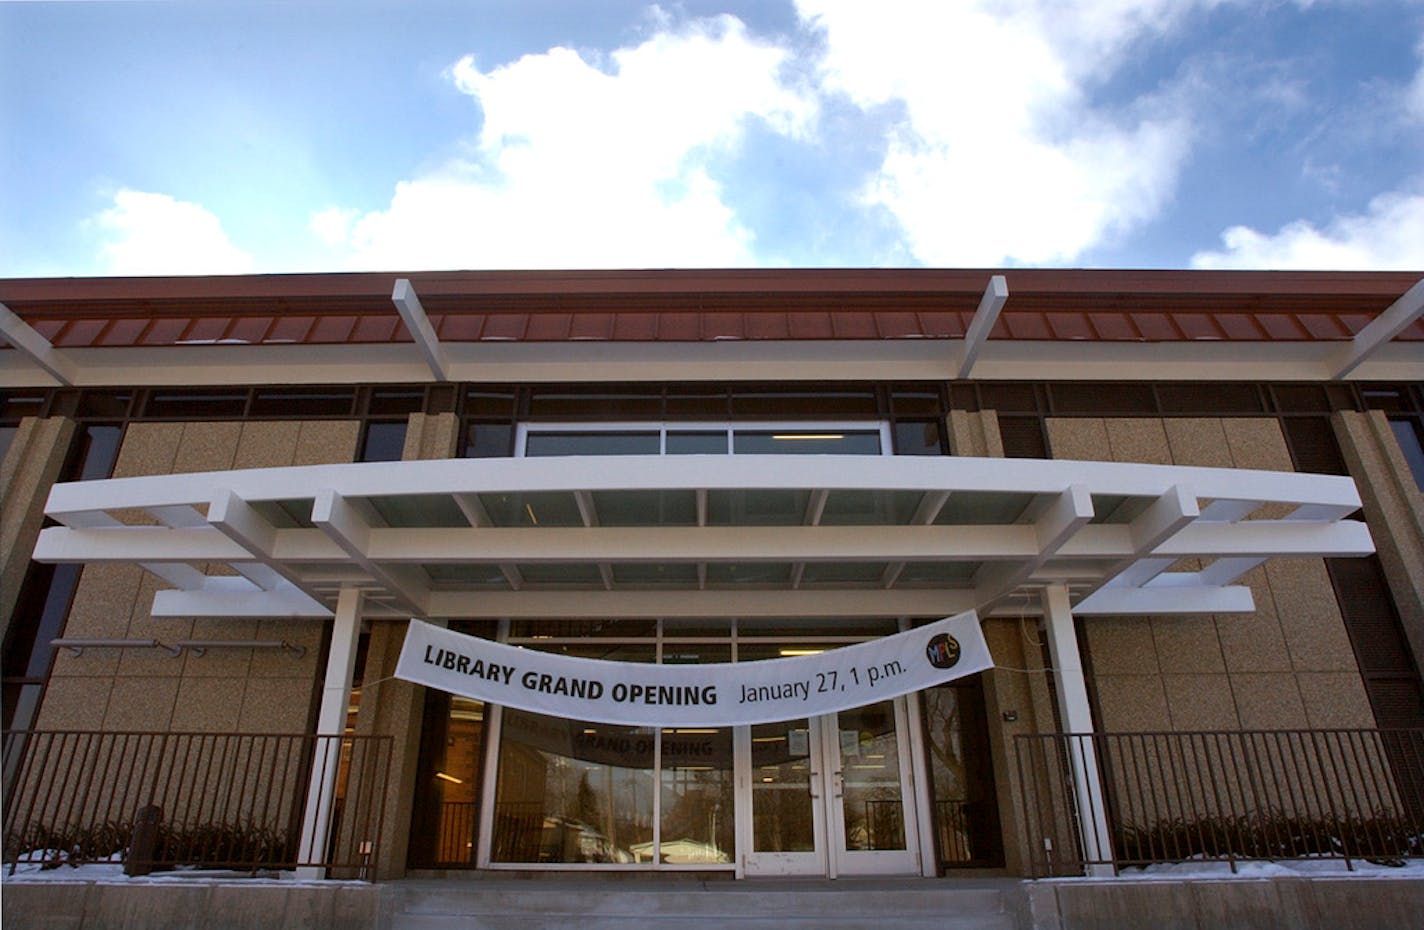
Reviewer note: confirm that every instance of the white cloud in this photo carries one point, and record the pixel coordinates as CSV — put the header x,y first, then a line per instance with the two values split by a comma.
x,y
151,234
1001,156
1414,94
1389,235
581,167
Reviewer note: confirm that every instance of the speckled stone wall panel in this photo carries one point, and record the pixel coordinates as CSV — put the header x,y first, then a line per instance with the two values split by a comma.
x,y
1138,439
1121,645
395,708
1310,617
276,705
1257,442
1132,703
1197,441
207,446
1269,701
267,444
1335,699
326,442
262,690
281,663
1200,702
1019,686
142,703
1083,439
220,662
1187,644
29,469
975,433
1296,628
148,449
208,705
431,436
1254,642
74,703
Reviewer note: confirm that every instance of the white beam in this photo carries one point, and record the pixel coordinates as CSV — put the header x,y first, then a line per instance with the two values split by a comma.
x,y
995,296
37,348
331,723
408,304
334,515
1163,519
236,519
220,597
712,602
1069,512
1077,719
1393,321
1192,599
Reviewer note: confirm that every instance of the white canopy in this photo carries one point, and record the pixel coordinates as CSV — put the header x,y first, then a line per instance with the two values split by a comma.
x,y
709,536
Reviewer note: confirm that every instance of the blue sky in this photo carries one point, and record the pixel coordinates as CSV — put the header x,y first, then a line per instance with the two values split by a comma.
x,y
216,136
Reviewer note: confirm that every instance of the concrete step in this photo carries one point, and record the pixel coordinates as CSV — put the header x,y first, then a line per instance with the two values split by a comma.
x,y
582,903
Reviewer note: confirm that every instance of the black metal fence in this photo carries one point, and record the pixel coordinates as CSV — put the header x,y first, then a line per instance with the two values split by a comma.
x,y
1221,796
156,801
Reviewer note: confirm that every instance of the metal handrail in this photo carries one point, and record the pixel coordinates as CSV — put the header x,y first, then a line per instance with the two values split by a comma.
x,y
1223,796
232,801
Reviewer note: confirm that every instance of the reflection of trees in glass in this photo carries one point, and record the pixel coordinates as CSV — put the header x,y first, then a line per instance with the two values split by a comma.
x,y
944,736
587,809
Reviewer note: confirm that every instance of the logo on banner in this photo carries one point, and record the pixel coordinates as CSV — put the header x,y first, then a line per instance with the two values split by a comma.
x,y
942,650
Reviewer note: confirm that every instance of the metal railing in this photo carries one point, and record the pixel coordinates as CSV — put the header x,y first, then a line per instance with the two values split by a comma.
x,y
191,800
1220,796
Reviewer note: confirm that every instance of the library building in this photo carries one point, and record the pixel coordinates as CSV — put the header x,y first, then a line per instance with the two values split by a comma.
x,y
815,573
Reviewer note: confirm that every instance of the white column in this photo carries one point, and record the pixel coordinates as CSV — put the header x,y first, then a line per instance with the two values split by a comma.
x,y
1077,718
331,722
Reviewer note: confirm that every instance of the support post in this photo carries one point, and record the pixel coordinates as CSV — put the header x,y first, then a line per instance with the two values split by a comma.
x,y
1078,718
331,723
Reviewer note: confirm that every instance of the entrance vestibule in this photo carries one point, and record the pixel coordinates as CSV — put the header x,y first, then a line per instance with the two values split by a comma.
x,y
829,795
857,792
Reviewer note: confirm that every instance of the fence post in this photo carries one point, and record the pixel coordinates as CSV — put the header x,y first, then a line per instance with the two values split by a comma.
x,y
331,724
1078,719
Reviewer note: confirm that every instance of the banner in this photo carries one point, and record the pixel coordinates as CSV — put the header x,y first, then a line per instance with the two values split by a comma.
x,y
721,694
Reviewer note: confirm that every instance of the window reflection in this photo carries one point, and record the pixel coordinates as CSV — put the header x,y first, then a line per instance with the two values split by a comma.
x,y
697,805
571,791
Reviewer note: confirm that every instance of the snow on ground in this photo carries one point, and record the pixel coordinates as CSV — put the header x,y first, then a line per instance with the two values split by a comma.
x,y
1285,868
113,871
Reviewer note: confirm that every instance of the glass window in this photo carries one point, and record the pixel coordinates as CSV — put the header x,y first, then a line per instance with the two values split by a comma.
x,y
1411,442
488,440
451,759
964,809
697,797
783,818
7,437
384,442
701,442
571,791
303,402
918,438
803,441
592,442
196,405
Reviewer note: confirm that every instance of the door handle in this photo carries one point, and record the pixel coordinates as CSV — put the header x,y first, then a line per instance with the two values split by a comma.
x,y
815,783
838,784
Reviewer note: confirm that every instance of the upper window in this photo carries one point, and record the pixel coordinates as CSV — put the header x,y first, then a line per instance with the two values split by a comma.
x,y
545,439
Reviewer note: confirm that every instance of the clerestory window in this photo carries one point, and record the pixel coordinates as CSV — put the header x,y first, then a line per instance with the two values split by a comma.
x,y
756,438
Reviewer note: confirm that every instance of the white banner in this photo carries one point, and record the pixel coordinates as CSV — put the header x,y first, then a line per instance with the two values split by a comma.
x,y
721,694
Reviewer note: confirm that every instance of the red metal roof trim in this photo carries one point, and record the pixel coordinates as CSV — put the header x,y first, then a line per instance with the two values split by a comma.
x,y
702,306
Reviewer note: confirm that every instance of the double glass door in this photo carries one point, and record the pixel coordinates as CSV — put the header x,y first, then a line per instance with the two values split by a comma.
x,y
828,795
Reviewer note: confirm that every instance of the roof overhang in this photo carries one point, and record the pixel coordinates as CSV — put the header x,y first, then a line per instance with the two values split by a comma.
x,y
710,536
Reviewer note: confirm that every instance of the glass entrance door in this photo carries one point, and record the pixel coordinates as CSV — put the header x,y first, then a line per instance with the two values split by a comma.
x,y
829,795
